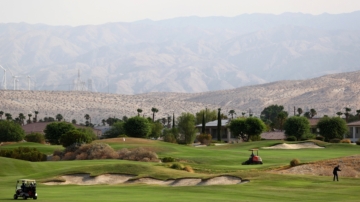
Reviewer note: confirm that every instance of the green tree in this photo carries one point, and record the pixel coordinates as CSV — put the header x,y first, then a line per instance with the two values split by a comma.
x,y
358,113
339,113
218,125
156,129
186,126
115,130
210,115
1,114
139,111
232,112
21,118
53,131
88,119
30,115
8,116
331,128
312,113
103,122
347,113
243,114
74,137
297,126
154,110
11,132
36,113
281,117
203,124
59,117
307,115
137,127
254,127
299,111
35,137
271,113
238,128
73,121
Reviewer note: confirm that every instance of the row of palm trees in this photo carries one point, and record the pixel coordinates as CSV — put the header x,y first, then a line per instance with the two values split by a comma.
x,y
21,117
153,110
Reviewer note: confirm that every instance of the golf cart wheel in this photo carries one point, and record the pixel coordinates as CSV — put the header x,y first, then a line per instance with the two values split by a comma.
x,y
25,198
15,196
35,197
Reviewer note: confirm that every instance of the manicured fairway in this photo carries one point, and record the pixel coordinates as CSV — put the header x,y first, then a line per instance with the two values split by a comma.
x,y
207,161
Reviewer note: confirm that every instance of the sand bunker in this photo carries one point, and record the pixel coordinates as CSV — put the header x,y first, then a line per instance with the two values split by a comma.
x,y
86,179
306,145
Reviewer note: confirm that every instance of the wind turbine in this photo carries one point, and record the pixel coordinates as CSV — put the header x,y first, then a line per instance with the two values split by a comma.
x,y
4,77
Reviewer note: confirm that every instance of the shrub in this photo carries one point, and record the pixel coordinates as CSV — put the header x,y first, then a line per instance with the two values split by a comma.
x,y
345,141
75,137
177,166
358,142
169,138
335,140
204,138
294,162
87,152
255,138
321,138
291,138
24,153
168,159
35,137
308,136
139,154
189,169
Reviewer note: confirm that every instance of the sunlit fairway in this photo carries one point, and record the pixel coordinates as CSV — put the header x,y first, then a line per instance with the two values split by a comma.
x,y
206,161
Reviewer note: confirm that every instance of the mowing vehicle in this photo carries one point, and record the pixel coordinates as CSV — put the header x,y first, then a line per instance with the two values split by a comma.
x,y
25,188
254,159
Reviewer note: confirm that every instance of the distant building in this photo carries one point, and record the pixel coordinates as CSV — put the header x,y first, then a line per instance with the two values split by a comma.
x,y
354,131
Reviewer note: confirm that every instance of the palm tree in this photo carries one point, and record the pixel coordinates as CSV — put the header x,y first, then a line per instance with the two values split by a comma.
x,y
169,121
163,120
17,120
307,115
139,111
1,114
312,113
339,113
73,121
232,112
243,114
103,122
300,111
21,118
87,117
36,113
154,110
8,116
59,117
30,115
358,113
347,113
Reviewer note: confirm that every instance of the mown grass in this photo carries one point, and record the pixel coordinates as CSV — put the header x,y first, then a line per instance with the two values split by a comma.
x,y
207,161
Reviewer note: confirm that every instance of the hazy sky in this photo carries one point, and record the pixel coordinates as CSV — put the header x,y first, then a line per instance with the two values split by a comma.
x,y
80,12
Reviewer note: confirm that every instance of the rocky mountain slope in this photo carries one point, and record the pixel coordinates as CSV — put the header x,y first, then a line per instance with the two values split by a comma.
x,y
189,54
327,95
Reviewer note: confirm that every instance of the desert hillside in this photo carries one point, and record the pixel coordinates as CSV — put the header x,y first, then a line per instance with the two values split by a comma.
x,y
327,95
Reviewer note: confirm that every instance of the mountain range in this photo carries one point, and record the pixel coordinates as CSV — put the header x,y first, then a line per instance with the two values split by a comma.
x,y
184,55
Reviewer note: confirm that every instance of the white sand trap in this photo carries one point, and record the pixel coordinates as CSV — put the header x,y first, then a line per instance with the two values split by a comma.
x,y
306,145
86,179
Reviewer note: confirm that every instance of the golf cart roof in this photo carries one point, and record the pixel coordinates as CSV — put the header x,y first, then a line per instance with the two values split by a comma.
x,y
253,149
26,180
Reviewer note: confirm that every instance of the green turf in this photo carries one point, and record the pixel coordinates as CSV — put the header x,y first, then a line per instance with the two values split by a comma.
x,y
207,161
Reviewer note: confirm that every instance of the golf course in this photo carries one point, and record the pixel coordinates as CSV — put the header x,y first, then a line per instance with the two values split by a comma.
x,y
262,183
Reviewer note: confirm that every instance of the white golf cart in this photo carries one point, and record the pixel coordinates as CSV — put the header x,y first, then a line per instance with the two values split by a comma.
x,y
25,188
